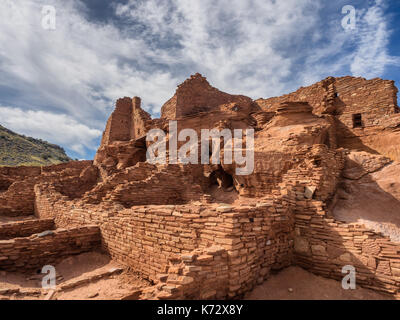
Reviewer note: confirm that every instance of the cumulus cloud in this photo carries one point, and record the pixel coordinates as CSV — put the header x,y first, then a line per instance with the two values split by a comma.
x,y
371,56
238,45
47,126
80,67
259,48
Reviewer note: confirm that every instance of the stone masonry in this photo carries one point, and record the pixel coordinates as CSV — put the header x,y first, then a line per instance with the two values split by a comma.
x,y
200,231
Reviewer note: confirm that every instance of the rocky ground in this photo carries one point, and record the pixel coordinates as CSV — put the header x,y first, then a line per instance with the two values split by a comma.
x,y
86,276
92,276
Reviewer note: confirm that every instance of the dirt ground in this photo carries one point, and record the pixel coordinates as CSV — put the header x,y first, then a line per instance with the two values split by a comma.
x,y
295,283
92,276
89,275
112,288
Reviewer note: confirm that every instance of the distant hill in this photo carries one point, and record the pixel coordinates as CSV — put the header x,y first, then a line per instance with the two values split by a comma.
x,y
19,150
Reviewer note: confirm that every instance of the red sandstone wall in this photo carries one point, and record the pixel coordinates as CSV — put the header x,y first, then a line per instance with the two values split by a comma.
x,y
197,95
24,254
201,274
19,197
324,246
128,121
168,110
375,100
119,126
24,228
257,239
140,119
148,184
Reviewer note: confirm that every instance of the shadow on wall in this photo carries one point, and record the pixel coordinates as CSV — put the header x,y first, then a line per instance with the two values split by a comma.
x,y
75,187
5,184
347,139
324,246
364,199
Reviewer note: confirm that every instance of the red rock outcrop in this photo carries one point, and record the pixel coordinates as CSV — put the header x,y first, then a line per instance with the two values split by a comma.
x,y
366,111
196,95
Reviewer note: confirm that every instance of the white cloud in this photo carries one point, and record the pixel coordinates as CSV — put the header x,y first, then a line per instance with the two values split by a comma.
x,y
371,56
259,48
80,68
55,128
232,42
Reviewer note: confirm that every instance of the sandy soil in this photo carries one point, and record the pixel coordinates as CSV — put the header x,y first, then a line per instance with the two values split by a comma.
x,y
16,280
295,283
84,267
75,266
292,283
113,288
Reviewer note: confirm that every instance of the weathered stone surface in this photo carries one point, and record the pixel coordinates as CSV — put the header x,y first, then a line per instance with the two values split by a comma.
x,y
309,192
301,245
201,231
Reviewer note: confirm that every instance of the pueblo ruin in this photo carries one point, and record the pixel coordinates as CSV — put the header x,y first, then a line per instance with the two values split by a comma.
x,y
324,194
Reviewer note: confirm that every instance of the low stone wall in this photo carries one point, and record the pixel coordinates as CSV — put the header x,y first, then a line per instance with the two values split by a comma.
x,y
256,238
25,254
18,198
147,184
324,245
24,228
201,274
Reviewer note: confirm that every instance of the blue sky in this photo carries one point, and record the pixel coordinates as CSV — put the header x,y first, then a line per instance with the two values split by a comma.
x,y
60,85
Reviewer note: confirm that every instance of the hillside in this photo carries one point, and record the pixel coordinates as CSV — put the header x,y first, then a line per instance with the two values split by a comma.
x,y
17,150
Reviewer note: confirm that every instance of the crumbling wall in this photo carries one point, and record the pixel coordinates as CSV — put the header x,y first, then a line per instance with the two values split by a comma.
x,y
140,119
121,144
373,102
374,98
197,95
318,174
173,184
36,251
119,126
128,121
24,228
324,245
315,95
256,238
200,274
19,197
150,184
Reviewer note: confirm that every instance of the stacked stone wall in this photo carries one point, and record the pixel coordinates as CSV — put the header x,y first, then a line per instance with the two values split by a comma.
x,y
28,253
